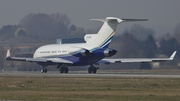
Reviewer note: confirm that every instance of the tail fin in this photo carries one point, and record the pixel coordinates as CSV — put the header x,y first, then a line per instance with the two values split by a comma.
x,y
8,55
172,56
103,38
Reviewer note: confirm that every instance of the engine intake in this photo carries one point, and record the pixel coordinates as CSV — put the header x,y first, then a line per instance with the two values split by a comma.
x,y
78,51
85,52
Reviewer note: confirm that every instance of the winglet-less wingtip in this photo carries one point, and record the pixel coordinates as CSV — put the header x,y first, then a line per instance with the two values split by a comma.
x,y
172,56
8,54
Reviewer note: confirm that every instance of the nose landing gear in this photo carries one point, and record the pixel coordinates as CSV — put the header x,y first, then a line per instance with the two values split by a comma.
x,y
43,70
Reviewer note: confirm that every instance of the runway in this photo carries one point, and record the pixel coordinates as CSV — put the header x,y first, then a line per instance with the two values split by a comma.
x,y
83,75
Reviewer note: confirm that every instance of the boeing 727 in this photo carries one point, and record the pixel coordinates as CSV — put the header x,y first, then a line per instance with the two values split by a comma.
x,y
93,52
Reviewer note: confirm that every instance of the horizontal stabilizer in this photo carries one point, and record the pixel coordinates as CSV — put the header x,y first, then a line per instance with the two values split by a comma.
x,y
130,20
109,19
118,20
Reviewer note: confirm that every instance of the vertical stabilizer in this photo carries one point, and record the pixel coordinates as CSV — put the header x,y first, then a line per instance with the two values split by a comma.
x,y
103,38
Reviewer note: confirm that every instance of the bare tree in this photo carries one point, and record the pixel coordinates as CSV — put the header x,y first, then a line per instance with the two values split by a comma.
x,y
2,57
46,27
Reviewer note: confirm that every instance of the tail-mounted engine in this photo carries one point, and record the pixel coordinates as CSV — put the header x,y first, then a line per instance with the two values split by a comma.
x,y
77,51
109,52
85,52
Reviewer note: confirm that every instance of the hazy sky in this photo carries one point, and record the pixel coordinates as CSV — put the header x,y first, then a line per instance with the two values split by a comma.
x,y
163,15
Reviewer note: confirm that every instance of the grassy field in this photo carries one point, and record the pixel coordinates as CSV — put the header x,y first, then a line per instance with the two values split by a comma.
x,y
90,89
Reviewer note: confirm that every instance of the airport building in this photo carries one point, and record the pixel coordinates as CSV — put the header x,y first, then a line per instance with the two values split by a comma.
x,y
70,40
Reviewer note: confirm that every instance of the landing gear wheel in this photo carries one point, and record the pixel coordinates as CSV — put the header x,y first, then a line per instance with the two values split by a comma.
x,y
61,70
90,69
94,70
66,69
43,70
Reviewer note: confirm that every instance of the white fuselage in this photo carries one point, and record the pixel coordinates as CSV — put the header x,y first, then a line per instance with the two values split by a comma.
x,y
59,49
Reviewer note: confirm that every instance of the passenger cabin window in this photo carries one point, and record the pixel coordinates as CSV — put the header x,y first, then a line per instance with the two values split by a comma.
x,y
44,52
64,51
53,51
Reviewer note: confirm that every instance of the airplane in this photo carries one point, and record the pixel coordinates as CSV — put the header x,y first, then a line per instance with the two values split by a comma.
x,y
92,53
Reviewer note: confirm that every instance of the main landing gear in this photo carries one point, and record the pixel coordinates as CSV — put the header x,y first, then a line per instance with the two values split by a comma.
x,y
64,69
92,69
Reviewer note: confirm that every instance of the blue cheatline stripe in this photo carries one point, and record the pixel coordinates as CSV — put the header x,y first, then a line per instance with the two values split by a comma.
x,y
94,49
109,39
112,34
106,42
106,45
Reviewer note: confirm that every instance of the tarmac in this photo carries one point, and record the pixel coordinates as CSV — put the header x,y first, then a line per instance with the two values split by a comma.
x,y
83,75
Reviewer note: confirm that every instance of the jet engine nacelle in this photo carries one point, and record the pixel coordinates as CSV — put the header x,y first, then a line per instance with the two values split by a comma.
x,y
78,51
85,52
109,52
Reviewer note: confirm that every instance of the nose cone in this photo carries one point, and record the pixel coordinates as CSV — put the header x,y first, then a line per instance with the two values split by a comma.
x,y
35,55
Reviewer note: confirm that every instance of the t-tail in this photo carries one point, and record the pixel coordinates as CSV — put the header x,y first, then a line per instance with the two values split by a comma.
x,y
103,38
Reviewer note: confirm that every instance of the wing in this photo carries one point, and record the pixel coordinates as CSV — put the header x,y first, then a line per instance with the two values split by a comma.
x,y
53,60
129,60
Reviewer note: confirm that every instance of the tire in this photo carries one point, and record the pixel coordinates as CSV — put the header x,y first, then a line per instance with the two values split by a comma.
x,y
42,70
61,69
45,70
94,70
90,69
66,69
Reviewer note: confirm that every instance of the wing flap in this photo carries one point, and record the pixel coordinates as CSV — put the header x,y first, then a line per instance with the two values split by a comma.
x,y
59,60
35,60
